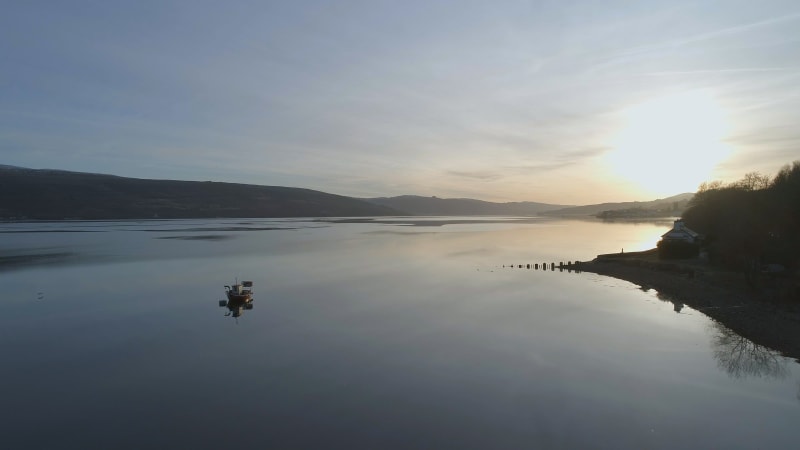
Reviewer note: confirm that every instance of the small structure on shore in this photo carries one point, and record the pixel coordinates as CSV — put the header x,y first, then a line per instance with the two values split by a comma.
x,y
679,242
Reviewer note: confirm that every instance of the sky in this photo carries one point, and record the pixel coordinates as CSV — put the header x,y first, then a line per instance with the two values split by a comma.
x,y
564,101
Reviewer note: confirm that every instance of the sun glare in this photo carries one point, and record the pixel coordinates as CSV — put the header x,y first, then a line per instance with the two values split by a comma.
x,y
670,145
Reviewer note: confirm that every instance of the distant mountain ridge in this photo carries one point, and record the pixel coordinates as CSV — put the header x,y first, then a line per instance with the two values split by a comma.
x,y
56,194
52,194
675,202
435,206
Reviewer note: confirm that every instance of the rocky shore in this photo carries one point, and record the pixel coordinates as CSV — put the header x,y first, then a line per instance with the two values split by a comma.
x,y
762,315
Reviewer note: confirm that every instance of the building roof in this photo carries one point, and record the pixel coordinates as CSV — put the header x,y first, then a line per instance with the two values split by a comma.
x,y
680,231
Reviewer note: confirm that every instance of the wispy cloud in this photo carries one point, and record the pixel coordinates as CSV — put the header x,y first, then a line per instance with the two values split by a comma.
x,y
728,31
719,71
560,160
539,168
632,53
785,135
479,175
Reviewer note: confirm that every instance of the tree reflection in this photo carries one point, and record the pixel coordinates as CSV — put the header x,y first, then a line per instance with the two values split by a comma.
x,y
740,357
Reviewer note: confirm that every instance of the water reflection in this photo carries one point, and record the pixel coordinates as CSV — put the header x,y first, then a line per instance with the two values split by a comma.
x,y
236,307
677,305
740,357
360,321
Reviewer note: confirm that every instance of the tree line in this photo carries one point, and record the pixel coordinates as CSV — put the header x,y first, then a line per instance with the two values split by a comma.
x,y
750,222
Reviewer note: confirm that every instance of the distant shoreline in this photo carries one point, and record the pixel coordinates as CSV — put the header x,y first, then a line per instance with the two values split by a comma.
x,y
721,295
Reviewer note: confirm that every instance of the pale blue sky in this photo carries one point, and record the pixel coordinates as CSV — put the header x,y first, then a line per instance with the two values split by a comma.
x,y
501,100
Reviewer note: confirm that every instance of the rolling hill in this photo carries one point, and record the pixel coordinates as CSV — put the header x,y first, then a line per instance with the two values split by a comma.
x,y
56,194
676,203
434,206
44,194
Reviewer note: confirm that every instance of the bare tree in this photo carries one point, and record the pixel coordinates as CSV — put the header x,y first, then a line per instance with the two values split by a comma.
x,y
710,186
752,181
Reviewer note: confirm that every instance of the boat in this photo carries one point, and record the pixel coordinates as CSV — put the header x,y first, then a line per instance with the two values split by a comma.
x,y
240,292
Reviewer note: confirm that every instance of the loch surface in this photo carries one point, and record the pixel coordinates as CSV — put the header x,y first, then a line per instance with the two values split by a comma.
x,y
392,333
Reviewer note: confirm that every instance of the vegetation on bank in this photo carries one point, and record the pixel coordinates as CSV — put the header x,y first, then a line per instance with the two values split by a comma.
x,y
666,207
673,209
752,223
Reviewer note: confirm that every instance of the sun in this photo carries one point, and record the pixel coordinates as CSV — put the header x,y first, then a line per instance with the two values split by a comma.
x,y
670,145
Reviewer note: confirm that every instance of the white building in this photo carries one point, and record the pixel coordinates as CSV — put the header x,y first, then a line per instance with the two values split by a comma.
x,y
681,233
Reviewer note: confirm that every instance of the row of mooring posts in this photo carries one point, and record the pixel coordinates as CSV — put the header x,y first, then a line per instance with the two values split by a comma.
x,y
569,266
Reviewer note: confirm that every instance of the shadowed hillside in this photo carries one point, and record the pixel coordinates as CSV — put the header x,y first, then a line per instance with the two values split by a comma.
x,y
661,208
434,206
55,194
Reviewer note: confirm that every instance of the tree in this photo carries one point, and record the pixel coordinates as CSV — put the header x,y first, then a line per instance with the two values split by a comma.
x,y
710,186
753,181
751,221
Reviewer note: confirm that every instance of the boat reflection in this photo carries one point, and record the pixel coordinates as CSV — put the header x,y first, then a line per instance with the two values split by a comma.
x,y
236,307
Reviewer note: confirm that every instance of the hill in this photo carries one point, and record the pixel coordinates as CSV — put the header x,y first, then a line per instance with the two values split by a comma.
x,y
57,194
660,207
434,206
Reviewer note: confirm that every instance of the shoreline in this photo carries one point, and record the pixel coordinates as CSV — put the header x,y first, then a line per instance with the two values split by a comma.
x,y
719,294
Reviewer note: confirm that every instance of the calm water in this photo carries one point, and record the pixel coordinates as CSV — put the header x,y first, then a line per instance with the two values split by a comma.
x,y
365,335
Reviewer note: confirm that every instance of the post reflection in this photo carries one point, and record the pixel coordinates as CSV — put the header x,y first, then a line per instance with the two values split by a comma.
x,y
740,357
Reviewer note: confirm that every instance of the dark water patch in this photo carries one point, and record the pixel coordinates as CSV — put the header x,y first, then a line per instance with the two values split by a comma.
x,y
401,233
439,222
196,230
202,237
53,231
12,261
